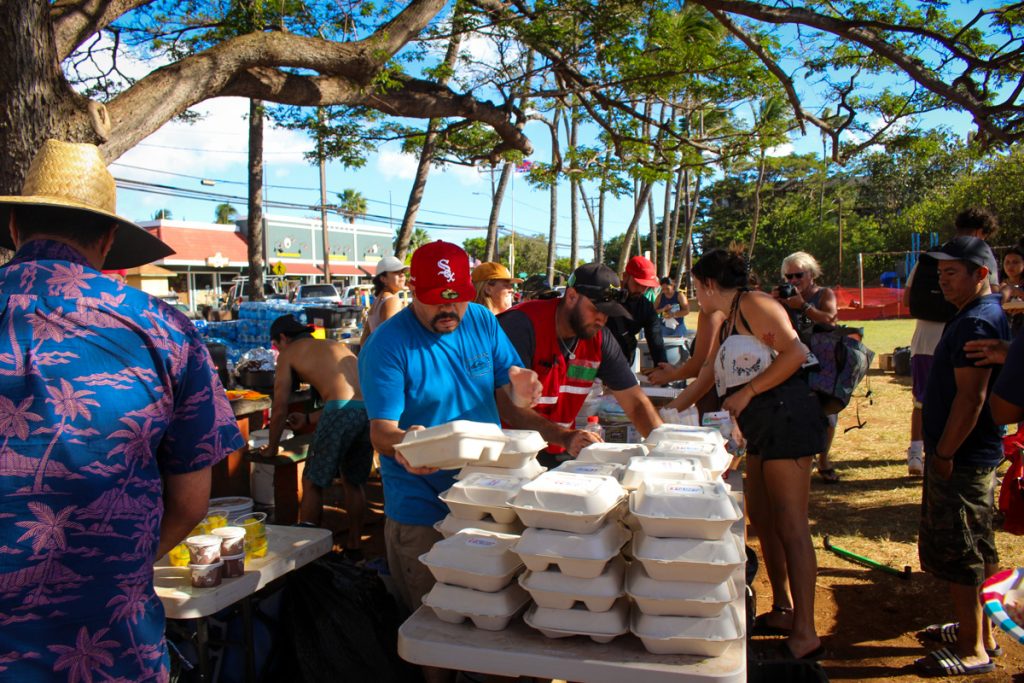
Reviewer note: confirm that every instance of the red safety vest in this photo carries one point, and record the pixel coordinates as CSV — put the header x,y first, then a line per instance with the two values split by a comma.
x,y
565,383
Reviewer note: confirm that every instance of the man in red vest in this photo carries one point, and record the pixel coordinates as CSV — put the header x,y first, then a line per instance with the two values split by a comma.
x,y
564,341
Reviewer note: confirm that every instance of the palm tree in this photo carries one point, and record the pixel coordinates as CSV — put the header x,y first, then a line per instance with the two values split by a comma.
x,y
353,204
162,214
418,238
225,213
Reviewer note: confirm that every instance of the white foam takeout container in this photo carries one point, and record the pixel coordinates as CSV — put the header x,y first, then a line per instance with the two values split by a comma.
x,y
677,432
522,446
473,558
568,502
684,509
602,469
531,470
601,627
698,636
479,495
712,457
453,444
688,559
676,598
578,555
680,469
611,452
451,525
558,590
488,611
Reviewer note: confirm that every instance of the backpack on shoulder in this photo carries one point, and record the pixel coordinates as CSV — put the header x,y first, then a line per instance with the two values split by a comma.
x,y
926,300
842,362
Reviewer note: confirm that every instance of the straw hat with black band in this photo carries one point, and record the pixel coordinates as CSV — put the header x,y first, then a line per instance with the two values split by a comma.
x,y
69,181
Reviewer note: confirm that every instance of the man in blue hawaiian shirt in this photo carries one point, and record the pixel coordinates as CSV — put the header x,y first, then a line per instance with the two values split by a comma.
x,y
111,417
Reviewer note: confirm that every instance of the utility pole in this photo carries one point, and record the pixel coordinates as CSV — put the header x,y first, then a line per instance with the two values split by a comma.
x,y
323,199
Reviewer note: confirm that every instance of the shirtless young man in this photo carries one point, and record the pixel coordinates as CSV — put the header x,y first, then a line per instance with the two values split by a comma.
x,y
342,438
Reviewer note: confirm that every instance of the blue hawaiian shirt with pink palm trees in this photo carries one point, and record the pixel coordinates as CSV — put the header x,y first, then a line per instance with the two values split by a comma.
x,y
102,390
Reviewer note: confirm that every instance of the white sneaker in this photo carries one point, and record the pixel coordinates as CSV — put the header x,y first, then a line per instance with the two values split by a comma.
x,y
915,463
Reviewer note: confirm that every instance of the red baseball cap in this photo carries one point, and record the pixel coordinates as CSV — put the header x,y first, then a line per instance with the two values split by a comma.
x,y
642,270
439,274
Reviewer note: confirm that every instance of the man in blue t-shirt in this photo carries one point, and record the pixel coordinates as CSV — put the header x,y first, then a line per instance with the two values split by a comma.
x,y
963,447
441,359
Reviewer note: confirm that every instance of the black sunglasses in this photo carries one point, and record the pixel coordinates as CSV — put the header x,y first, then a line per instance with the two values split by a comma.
x,y
794,276
600,295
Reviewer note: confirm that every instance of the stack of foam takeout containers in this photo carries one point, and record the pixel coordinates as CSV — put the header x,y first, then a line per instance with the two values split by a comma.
x,y
571,548
475,572
479,499
685,552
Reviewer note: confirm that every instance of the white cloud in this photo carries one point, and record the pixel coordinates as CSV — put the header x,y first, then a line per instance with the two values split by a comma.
x,y
393,164
783,150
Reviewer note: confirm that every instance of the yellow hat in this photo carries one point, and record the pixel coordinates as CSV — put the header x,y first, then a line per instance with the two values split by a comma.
x,y
489,270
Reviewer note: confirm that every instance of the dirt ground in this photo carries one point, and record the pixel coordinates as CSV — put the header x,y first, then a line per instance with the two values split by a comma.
x,y
868,619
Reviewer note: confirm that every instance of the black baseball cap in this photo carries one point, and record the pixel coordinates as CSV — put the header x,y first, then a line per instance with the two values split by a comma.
x,y
963,248
289,326
601,285
538,287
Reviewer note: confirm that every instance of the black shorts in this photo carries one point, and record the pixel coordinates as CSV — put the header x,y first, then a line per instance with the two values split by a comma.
x,y
785,422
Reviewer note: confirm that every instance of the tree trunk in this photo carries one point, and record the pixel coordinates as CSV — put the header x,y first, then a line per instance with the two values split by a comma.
x,y
491,252
627,242
757,206
35,100
255,219
574,188
652,244
556,168
673,234
599,258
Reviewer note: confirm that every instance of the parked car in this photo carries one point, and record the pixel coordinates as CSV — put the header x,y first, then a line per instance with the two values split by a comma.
x,y
358,295
318,294
241,291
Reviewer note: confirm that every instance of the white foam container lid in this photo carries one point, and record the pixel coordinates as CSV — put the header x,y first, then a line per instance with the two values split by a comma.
x,y
602,469
681,469
531,469
568,502
261,437
451,525
601,627
560,591
676,598
713,457
483,494
688,559
453,444
611,452
523,441
698,636
677,432
684,509
578,555
488,611
474,558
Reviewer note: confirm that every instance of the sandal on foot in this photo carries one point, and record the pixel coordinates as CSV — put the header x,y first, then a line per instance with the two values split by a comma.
x,y
761,626
828,475
947,633
945,662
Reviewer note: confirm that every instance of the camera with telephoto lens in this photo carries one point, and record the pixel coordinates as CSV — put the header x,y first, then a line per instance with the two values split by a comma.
x,y
786,290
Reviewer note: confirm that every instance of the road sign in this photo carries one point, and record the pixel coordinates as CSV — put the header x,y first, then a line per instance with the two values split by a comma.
x,y
277,268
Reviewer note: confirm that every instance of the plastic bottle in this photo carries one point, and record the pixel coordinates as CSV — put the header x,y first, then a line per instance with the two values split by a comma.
x,y
594,425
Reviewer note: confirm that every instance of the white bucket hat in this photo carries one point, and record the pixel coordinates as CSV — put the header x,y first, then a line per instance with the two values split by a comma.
x,y
390,264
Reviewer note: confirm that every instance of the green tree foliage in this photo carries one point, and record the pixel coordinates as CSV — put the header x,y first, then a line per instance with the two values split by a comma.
x,y
418,239
225,214
352,204
162,214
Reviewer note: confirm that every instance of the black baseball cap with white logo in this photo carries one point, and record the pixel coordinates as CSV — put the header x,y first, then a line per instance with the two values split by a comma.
x,y
601,285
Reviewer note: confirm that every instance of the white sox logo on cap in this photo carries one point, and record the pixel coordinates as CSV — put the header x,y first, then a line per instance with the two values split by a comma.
x,y
446,270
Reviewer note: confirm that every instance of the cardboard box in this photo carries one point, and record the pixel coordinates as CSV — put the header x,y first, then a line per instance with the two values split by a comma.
x,y
885,362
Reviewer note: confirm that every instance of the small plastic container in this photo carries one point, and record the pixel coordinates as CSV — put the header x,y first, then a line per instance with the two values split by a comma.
x,y
684,509
677,598
677,432
234,566
601,627
583,556
611,452
679,469
203,549
232,540
688,559
578,503
255,525
531,470
601,469
697,636
479,495
451,525
215,519
206,575
713,458
523,445
473,558
488,611
558,590
452,445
